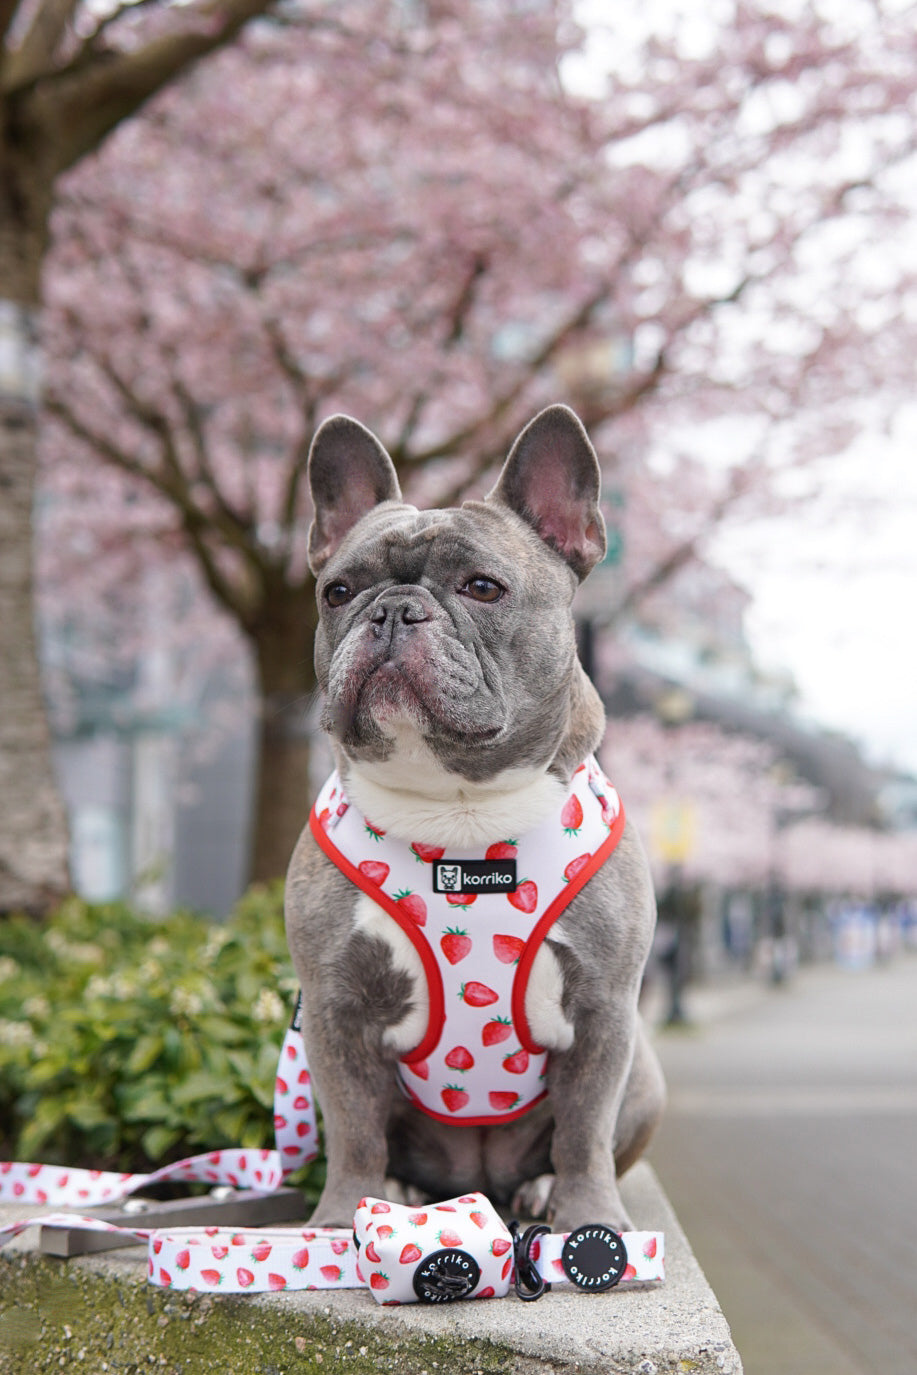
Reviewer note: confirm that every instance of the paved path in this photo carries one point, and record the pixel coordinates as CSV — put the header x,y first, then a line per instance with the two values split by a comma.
x,y
790,1154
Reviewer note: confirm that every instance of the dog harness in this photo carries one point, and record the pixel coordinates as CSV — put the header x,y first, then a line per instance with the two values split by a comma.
x,y
477,921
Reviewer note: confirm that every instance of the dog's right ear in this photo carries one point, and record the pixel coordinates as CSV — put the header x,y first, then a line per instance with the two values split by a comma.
x,y
350,473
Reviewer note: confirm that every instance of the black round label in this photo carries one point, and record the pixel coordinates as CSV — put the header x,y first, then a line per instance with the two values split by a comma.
x,y
594,1257
446,1276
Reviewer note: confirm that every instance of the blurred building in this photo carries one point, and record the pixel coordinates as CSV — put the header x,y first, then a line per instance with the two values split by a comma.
x,y
156,774
686,651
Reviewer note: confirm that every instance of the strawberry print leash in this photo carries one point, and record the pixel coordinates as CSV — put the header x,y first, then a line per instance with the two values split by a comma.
x,y
434,1254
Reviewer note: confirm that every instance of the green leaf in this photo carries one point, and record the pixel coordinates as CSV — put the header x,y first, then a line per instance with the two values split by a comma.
x,y
145,1053
87,1113
47,1121
158,1140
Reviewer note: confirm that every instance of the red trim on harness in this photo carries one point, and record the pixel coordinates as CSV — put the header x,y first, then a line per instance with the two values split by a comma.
x,y
372,890
546,921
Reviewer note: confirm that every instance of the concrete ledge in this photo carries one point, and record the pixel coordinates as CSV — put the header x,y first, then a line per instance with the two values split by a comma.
x,y
97,1314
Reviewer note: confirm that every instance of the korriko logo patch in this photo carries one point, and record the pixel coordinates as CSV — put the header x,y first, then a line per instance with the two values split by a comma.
x,y
474,876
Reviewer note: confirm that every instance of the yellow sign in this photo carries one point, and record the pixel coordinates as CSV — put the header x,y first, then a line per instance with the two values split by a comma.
x,y
674,825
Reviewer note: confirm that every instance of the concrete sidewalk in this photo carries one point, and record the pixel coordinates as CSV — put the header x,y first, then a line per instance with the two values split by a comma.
x,y
718,997
98,1314
788,1149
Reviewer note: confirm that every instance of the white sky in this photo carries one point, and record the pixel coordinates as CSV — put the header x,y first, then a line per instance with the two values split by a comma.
x,y
835,594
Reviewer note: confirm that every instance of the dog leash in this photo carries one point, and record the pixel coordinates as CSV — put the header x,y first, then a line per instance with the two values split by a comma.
x,y
432,1249
454,1250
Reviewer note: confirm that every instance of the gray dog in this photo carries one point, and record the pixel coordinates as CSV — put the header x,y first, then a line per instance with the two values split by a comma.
x,y
468,912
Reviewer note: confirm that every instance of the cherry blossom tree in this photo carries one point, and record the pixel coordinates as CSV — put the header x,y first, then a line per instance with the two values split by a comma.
x,y
70,72
421,216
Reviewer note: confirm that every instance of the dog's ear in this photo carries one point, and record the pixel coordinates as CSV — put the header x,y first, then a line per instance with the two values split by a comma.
x,y
552,480
350,473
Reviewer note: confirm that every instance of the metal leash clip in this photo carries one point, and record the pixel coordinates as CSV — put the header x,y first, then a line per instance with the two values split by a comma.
x,y
528,1281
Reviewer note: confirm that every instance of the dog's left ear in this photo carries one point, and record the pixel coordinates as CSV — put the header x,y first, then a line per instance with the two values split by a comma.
x,y
552,480
350,473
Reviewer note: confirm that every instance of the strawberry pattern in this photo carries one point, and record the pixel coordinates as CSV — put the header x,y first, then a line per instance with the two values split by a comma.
x,y
381,1253
645,1257
477,1062
216,1260
393,1238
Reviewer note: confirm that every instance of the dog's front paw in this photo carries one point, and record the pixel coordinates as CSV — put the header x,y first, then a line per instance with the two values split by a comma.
x,y
396,1191
577,1203
531,1198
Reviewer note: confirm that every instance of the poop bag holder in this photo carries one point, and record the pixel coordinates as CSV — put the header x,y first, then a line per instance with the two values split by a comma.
x,y
460,1249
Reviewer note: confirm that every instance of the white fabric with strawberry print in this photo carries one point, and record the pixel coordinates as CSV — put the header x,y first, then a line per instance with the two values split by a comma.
x,y
645,1257
246,1261
394,1238
477,1063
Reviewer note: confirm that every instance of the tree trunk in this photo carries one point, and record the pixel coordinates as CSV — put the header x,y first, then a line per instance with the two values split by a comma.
x,y
283,649
34,871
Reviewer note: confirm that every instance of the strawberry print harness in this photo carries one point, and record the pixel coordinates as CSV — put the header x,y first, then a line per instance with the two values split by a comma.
x,y
477,1063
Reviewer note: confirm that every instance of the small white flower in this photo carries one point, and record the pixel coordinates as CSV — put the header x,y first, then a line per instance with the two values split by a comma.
x,y
186,1003
123,986
214,944
268,1007
16,1033
9,969
99,987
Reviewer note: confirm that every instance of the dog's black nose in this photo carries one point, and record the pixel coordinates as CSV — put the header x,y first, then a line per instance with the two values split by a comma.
x,y
399,606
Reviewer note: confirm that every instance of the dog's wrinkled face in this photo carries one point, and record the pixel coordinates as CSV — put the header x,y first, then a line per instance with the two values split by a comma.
x,y
445,622
454,625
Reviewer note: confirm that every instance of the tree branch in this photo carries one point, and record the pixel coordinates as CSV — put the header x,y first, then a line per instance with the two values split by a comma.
x,y
681,555
88,99
502,405
8,10
234,529
195,523
35,54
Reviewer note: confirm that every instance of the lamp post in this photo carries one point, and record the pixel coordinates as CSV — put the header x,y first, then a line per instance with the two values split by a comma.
x,y
673,834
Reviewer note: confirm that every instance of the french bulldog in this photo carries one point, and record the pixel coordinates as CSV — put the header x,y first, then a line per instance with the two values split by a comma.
x,y
458,713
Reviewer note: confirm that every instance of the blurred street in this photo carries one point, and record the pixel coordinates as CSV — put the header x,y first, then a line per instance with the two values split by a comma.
x,y
790,1153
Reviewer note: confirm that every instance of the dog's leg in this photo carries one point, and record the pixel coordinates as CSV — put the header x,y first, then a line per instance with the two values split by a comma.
x,y
354,1089
643,1105
586,1085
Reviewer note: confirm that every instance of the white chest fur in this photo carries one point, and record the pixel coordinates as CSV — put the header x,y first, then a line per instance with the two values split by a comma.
x,y
415,798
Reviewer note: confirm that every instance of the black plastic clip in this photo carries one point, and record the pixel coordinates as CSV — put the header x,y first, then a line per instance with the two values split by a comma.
x,y
529,1283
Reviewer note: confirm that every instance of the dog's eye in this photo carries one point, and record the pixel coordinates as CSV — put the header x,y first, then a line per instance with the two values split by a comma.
x,y
482,590
337,594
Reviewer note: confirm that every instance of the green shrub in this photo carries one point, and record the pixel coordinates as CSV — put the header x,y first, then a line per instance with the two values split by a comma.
x,y
128,1041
